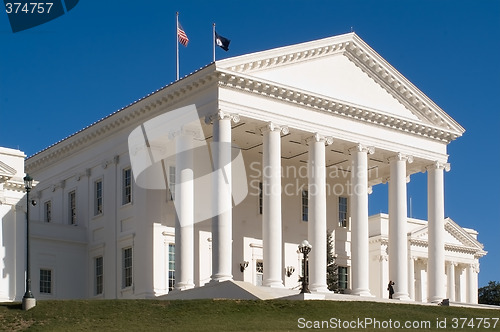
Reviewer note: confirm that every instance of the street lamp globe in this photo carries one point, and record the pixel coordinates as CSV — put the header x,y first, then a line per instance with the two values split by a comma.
x,y
305,248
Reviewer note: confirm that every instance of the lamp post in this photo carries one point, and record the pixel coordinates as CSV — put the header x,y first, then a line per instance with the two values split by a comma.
x,y
304,249
29,300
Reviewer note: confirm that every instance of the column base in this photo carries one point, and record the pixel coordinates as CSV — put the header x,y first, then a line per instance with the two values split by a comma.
x,y
435,299
318,289
273,283
401,296
28,303
220,278
361,292
183,286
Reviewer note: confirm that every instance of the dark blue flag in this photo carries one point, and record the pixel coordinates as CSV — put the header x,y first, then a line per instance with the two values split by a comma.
x,y
222,42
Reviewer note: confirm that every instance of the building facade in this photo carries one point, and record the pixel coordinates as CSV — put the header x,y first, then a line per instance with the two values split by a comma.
x,y
297,136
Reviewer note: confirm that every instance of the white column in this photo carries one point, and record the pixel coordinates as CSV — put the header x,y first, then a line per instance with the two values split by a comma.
x,y
461,287
451,281
359,231
316,227
398,242
271,214
435,205
411,278
472,271
222,199
184,195
384,278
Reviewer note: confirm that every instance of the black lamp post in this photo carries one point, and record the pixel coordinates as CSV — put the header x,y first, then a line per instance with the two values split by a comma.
x,y
29,300
305,249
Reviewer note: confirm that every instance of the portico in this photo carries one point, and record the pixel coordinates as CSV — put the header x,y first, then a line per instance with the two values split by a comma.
x,y
386,132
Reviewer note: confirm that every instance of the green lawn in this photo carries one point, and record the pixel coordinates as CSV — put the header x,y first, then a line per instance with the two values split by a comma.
x,y
232,315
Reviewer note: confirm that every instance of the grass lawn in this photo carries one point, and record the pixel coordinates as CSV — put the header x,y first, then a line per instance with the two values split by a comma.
x,y
234,315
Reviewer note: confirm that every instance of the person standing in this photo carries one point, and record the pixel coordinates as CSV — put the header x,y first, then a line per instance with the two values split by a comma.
x,y
390,289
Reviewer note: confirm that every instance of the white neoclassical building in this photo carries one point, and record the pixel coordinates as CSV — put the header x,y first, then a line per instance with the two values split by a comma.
x,y
295,140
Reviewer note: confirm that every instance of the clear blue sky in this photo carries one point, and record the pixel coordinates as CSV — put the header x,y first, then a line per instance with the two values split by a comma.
x,y
59,77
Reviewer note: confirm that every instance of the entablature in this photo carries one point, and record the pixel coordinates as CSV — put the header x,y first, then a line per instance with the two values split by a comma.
x,y
309,100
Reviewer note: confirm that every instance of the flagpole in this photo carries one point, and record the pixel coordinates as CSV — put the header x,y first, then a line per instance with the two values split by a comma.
x,y
213,33
177,41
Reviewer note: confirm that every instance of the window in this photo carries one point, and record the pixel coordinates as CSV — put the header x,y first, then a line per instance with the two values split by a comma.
x,y
305,205
260,197
127,186
99,274
259,272
47,211
127,268
72,207
98,197
45,281
171,266
343,277
171,182
343,211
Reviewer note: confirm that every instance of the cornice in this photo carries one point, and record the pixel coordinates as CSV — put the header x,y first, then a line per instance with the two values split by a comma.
x,y
136,111
461,235
287,94
14,186
451,247
362,55
4,178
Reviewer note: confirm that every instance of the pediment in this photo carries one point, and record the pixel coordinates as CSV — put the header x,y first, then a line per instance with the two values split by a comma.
x,y
339,78
6,171
344,68
455,236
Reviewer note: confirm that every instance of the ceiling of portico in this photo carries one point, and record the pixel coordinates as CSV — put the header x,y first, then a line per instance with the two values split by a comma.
x,y
247,135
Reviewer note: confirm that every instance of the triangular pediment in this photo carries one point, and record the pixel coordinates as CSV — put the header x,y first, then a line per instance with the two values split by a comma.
x,y
455,236
337,77
343,68
6,171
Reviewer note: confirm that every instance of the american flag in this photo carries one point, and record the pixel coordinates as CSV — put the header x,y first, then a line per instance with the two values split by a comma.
x,y
183,38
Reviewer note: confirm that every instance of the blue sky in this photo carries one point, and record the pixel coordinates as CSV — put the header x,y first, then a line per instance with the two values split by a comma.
x,y
61,76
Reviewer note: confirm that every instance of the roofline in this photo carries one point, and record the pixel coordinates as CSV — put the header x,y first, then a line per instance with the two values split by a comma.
x,y
115,121
360,53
